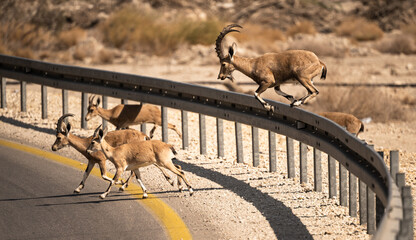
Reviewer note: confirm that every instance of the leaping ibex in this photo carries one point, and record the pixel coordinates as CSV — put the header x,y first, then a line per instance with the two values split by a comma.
x,y
272,69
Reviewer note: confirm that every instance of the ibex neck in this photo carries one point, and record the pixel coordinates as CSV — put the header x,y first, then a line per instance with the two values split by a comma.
x,y
107,150
79,143
243,65
105,113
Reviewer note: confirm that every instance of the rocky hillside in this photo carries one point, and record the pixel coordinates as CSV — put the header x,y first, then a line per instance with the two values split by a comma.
x,y
325,14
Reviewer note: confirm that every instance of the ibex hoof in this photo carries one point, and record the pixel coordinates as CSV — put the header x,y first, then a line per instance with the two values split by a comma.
x,y
269,108
102,196
121,189
191,191
145,195
77,190
296,103
171,182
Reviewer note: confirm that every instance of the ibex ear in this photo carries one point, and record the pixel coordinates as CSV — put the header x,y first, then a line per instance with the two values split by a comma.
x,y
68,128
104,132
231,50
98,101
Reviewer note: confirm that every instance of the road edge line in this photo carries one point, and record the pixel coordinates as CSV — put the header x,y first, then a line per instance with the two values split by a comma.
x,y
172,222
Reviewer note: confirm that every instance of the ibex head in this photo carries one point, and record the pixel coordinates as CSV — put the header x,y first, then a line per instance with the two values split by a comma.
x,y
92,108
97,139
62,131
227,67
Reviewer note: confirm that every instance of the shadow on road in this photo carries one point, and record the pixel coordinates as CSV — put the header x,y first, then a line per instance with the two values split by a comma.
x,y
285,224
26,125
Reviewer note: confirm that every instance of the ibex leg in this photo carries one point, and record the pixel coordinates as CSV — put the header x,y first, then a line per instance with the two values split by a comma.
x,y
312,92
84,178
257,93
283,94
126,184
152,131
165,174
169,165
139,180
112,182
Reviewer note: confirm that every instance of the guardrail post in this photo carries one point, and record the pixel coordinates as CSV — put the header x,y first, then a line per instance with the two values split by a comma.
x,y
332,181
64,101
352,195
290,154
165,134
317,170
371,201
220,137
394,163
303,158
343,192
255,145
379,204
239,142
105,106
202,135
272,152
44,96
84,109
3,93
23,96
406,225
362,196
400,180
185,135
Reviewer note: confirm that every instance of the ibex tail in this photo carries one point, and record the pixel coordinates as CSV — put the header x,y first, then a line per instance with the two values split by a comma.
x,y
324,70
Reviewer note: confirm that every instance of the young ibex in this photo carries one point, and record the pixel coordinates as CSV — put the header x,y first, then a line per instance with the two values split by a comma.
x,y
271,69
350,122
123,116
134,155
65,138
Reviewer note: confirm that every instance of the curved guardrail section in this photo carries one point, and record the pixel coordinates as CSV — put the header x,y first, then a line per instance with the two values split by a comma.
x,y
306,127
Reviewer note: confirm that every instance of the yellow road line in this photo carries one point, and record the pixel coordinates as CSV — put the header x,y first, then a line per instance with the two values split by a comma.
x,y
175,227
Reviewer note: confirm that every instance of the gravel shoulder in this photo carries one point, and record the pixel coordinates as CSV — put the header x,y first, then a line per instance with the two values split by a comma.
x,y
233,201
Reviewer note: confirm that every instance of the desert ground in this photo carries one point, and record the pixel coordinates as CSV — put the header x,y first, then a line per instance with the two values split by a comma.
x,y
242,201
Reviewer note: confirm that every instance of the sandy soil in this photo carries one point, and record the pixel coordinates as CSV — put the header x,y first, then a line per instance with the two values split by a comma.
x,y
237,201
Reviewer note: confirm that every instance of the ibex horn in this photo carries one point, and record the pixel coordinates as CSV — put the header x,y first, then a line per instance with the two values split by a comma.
x,y
225,31
91,99
61,119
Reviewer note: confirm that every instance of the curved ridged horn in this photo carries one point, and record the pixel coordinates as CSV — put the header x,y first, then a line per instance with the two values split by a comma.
x,y
61,119
91,99
225,31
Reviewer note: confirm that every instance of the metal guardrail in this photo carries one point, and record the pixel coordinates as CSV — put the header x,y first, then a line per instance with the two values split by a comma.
x,y
308,128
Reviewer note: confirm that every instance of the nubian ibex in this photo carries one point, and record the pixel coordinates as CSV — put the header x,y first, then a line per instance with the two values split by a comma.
x,y
134,155
349,121
271,69
124,115
65,138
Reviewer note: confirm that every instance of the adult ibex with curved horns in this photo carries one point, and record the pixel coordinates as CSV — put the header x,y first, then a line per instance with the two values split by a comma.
x,y
271,69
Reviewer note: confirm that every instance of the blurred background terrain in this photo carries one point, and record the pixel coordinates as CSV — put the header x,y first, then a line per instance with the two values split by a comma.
x,y
361,41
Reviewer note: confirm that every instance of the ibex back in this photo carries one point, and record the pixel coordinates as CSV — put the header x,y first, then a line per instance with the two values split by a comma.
x,y
272,69
123,115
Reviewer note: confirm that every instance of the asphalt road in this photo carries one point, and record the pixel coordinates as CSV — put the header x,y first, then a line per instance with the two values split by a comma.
x,y
36,202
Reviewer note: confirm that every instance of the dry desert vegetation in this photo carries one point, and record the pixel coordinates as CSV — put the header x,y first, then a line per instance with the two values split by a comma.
x,y
371,63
